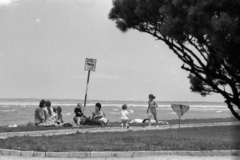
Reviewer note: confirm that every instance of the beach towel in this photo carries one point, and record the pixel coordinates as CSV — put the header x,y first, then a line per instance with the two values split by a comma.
x,y
103,121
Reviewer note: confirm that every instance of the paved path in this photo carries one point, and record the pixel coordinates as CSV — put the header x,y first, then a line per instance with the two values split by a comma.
x,y
4,135
138,158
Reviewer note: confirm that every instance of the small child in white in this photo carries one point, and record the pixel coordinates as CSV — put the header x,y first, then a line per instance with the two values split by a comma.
x,y
124,117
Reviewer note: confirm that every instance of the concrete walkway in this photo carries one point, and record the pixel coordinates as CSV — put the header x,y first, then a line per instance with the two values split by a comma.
x,y
4,135
139,158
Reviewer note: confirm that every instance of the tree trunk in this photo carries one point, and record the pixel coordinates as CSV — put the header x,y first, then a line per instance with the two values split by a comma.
x,y
235,114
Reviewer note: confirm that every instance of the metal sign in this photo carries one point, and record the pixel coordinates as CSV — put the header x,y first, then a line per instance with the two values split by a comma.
x,y
90,64
180,110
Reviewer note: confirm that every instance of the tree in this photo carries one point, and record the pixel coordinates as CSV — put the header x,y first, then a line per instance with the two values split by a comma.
x,y
204,34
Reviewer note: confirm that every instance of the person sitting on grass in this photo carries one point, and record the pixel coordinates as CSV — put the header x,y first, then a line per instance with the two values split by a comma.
x,y
49,114
80,117
97,114
98,117
59,119
54,113
39,113
124,117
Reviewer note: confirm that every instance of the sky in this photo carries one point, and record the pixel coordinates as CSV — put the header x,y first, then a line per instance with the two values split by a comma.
x,y
44,44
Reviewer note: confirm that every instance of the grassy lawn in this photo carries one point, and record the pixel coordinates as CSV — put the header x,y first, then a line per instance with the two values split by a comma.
x,y
116,124
203,138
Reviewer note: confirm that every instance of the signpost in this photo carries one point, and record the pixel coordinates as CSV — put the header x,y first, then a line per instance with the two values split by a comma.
x,y
180,110
90,65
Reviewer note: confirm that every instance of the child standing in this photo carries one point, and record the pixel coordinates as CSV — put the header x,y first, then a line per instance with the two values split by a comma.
x,y
124,117
152,107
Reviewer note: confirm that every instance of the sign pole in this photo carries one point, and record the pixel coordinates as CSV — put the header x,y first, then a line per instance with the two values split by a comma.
x,y
90,65
86,91
179,123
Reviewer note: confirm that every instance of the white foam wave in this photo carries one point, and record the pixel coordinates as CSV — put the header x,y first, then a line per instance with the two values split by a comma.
x,y
218,111
5,106
173,113
8,110
131,111
115,112
115,109
67,114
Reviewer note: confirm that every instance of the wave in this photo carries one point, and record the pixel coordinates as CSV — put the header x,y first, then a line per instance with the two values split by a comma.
x,y
197,105
115,112
8,110
5,106
67,114
131,111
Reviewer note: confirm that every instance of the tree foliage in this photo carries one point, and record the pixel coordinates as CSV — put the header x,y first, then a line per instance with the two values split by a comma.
x,y
204,34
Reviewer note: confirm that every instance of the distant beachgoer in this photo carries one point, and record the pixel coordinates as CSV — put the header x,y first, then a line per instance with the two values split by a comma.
x,y
124,117
152,107
80,117
39,113
59,118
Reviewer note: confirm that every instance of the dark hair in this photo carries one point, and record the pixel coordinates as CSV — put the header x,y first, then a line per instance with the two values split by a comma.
x,y
124,107
48,103
98,105
152,96
54,109
42,102
59,109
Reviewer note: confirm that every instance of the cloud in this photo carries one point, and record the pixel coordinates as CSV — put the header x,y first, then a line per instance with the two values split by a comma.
x,y
98,76
38,20
7,2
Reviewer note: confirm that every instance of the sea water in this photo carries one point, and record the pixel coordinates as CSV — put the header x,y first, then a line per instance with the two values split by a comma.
x,y
21,111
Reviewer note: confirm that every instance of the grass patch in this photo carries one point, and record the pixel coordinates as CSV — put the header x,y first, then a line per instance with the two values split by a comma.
x,y
202,138
24,128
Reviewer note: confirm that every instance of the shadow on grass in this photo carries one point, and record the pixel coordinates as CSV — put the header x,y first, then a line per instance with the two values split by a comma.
x,y
114,124
203,138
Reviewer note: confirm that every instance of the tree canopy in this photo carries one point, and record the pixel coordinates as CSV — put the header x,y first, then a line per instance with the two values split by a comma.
x,y
204,34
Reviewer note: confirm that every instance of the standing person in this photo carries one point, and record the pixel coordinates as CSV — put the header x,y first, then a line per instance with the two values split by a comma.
x,y
124,116
79,114
39,113
152,107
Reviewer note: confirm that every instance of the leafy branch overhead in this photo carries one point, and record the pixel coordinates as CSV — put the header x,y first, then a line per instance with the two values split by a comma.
x,y
204,34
